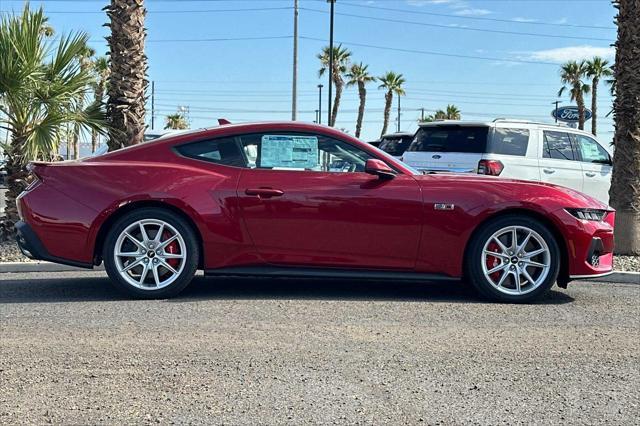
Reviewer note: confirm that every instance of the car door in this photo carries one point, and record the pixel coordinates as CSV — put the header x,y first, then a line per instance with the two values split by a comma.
x,y
308,202
596,167
559,160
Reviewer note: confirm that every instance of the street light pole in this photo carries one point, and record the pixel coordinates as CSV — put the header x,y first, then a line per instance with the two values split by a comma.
x,y
556,114
320,86
332,2
398,113
294,89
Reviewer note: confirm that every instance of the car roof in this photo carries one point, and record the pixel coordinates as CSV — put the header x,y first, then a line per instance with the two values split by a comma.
x,y
397,134
514,122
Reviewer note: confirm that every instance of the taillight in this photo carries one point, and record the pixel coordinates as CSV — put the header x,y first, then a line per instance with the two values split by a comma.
x,y
490,167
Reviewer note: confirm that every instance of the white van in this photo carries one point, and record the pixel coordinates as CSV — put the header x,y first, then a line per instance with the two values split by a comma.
x,y
515,149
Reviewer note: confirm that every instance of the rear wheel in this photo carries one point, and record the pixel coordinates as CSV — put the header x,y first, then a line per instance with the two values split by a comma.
x,y
151,253
513,259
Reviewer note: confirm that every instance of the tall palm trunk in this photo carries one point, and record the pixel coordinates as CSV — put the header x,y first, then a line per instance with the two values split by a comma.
x,y
127,82
594,105
362,92
339,84
625,183
580,102
99,95
388,99
16,176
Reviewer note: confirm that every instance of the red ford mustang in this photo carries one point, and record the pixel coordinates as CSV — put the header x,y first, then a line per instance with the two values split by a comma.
x,y
292,199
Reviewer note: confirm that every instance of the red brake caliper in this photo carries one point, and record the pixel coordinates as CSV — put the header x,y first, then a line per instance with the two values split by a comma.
x,y
172,248
493,261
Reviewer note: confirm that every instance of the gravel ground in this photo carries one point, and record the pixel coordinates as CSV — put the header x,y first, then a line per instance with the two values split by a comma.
x,y
9,252
268,351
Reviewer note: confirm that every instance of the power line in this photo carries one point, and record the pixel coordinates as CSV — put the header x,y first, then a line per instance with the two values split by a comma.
x,y
478,18
251,9
449,27
427,52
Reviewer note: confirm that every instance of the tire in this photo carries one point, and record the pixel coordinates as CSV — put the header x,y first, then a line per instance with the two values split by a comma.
x,y
508,275
166,254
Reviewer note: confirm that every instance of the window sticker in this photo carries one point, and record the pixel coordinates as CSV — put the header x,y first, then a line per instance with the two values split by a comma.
x,y
292,152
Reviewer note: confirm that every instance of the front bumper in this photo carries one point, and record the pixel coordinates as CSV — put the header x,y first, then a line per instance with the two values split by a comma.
x,y
31,246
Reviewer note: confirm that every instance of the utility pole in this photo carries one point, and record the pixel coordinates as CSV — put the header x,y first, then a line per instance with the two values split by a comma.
x,y
317,120
320,103
422,114
153,104
398,113
556,114
294,89
332,2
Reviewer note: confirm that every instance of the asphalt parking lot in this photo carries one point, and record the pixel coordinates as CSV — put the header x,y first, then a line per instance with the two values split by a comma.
x,y
265,351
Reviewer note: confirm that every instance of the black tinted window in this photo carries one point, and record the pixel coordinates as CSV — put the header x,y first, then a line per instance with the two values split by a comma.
x,y
395,145
450,139
558,145
509,142
222,151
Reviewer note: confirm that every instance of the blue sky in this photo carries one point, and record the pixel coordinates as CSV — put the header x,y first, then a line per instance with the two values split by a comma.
x,y
491,58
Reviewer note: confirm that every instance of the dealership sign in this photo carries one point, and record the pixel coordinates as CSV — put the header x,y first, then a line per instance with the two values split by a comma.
x,y
569,114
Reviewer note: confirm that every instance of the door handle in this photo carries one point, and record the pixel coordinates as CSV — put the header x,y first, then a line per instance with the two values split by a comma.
x,y
549,171
590,174
264,192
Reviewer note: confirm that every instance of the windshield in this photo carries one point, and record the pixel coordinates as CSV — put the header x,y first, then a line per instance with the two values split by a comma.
x,y
451,138
395,145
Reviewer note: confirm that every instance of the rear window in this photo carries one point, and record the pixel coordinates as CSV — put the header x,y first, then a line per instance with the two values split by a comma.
x,y
395,145
468,139
222,151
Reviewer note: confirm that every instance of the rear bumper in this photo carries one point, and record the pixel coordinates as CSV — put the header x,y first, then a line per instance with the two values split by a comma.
x,y
31,246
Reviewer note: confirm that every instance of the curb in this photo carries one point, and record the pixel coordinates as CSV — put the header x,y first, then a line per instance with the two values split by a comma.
x,y
26,267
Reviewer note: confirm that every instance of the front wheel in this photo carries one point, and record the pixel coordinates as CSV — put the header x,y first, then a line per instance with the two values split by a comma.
x,y
513,259
151,253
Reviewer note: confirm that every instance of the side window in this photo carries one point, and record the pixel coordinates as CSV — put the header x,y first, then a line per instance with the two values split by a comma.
x,y
221,151
557,145
293,151
591,151
509,142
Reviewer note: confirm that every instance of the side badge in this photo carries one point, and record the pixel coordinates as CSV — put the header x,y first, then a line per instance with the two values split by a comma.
x,y
443,206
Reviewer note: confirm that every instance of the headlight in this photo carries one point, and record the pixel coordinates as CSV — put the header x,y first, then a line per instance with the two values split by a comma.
x,y
588,214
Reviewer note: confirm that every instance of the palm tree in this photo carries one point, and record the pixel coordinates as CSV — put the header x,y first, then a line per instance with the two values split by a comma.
x,y
86,62
625,182
571,75
40,87
176,121
596,69
127,81
392,83
359,75
453,113
101,76
341,59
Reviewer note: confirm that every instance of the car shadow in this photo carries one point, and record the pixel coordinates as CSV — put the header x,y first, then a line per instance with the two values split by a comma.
x,y
98,289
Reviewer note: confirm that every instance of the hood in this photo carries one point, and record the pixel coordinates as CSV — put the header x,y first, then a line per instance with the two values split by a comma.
x,y
521,189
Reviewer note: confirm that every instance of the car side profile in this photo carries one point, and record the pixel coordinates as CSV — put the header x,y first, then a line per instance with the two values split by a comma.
x,y
514,149
295,199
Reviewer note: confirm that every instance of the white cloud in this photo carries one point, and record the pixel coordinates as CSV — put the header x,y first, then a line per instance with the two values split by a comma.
x,y
570,53
521,19
561,21
473,12
426,2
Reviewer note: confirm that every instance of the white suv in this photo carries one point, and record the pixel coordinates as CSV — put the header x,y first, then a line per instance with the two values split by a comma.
x,y
514,149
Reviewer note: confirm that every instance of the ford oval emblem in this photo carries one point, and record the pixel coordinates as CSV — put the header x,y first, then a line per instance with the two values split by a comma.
x,y
569,114
436,157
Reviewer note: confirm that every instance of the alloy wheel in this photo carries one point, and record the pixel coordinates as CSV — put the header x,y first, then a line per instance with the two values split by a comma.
x,y
516,260
150,254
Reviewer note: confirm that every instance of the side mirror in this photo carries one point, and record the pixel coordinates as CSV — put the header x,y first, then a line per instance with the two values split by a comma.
x,y
379,168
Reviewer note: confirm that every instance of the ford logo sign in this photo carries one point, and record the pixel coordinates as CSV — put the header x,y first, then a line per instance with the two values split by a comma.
x,y
436,157
569,114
